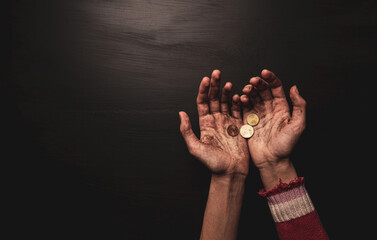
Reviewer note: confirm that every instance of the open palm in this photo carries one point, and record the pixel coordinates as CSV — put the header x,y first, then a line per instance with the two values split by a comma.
x,y
219,151
278,130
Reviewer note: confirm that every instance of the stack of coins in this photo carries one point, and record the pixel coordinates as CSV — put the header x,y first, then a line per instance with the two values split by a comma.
x,y
247,130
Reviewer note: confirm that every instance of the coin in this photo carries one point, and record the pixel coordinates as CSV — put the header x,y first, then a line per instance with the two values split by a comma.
x,y
252,119
232,130
246,131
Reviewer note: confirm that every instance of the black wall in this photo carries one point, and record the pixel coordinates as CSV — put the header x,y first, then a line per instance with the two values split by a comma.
x,y
91,92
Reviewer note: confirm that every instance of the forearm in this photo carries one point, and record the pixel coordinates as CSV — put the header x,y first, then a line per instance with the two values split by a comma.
x,y
223,207
290,204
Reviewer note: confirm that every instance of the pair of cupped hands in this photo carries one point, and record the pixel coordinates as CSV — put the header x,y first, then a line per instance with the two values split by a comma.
x,y
274,137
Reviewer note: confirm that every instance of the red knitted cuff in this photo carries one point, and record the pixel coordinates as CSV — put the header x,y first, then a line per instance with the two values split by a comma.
x,y
282,187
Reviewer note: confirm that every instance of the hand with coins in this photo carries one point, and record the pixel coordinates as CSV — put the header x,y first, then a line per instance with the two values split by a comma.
x,y
270,127
220,146
224,151
267,130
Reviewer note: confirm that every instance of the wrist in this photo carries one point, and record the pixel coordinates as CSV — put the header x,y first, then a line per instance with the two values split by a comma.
x,y
228,178
228,184
274,173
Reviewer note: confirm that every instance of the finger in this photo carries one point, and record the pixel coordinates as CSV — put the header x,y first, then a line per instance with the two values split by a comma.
x,y
299,109
274,82
191,140
252,92
262,87
202,100
225,97
236,106
214,90
245,102
247,89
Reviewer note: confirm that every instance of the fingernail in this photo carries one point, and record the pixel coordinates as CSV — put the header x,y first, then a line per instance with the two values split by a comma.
x,y
297,89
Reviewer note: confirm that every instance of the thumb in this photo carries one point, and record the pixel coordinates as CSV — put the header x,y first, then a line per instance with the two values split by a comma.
x,y
299,109
191,140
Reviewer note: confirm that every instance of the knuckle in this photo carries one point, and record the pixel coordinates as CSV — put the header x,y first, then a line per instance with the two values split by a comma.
x,y
199,100
303,127
191,150
185,132
299,128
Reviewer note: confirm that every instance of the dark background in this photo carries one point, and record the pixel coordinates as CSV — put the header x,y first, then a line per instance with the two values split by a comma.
x,y
90,95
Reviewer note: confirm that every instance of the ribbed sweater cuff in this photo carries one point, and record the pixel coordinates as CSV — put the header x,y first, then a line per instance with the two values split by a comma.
x,y
290,202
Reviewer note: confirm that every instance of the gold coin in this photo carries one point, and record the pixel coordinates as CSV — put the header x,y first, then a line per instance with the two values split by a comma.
x,y
232,130
252,119
246,131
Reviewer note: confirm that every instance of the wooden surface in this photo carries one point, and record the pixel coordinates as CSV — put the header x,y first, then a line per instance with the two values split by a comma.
x,y
93,94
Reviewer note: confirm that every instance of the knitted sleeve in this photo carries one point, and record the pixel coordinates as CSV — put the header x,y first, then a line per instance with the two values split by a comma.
x,y
293,212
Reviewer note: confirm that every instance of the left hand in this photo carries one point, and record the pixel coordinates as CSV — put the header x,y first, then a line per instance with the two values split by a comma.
x,y
220,152
278,130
